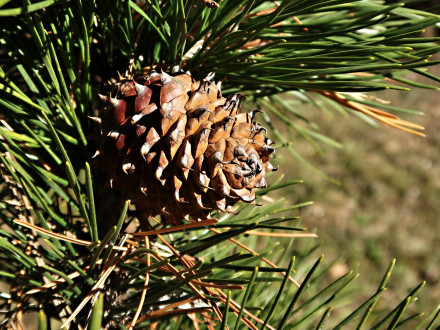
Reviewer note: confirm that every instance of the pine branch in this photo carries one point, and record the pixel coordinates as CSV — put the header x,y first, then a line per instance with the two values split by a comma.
x,y
56,56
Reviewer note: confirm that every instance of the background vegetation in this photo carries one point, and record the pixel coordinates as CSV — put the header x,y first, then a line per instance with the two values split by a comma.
x,y
387,205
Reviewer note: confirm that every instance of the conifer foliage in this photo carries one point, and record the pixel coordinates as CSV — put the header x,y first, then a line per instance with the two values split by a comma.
x,y
119,191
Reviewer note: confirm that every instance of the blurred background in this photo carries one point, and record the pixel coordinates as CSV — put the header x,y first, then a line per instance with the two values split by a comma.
x,y
387,202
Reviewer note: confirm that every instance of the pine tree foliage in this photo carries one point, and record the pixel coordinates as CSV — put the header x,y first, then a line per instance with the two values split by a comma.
x,y
230,271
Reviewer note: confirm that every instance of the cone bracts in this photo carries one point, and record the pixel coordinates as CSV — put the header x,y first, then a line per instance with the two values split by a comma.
x,y
175,147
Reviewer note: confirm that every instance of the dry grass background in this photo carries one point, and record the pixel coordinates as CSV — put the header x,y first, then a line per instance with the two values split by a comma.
x,y
388,203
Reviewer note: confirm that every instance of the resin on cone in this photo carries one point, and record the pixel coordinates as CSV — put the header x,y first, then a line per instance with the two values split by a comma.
x,y
175,147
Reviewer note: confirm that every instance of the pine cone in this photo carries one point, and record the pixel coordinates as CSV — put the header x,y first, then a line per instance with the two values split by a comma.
x,y
175,147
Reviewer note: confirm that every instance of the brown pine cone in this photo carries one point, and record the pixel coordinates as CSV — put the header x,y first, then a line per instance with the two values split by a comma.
x,y
175,147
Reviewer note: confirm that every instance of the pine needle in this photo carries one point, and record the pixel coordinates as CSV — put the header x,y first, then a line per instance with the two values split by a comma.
x,y
62,237
291,279
144,290
236,307
177,228
94,291
287,235
60,280
157,313
190,265
179,312
218,286
379,115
